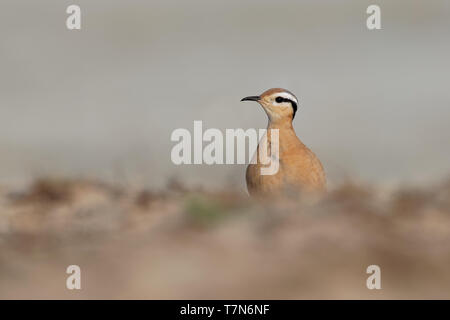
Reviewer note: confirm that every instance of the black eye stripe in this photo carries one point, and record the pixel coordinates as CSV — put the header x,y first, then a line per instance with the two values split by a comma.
x,y
281,99
294,104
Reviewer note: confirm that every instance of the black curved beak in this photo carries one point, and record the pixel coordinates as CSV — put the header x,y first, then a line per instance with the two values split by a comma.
x,y
251,98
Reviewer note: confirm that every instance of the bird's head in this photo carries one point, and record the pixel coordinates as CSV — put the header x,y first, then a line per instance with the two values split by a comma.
x,y
279,104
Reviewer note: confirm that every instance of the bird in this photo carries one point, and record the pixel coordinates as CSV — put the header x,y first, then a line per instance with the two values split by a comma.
x,y
299,168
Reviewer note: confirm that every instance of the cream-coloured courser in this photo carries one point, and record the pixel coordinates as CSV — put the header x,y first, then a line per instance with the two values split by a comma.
x,y
299,168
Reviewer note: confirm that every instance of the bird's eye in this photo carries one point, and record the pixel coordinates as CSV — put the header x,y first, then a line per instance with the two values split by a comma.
x,y
279,99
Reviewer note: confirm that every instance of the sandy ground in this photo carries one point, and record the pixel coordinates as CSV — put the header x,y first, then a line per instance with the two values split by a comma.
x,y
182,243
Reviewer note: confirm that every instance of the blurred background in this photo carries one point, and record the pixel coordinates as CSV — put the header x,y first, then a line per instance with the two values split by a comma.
x,y
85,170
103,101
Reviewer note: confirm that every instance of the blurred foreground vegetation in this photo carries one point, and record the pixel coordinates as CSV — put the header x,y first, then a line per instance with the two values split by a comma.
x,y
180,243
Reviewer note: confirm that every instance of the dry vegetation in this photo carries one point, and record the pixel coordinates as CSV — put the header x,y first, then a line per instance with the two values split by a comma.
x,y
197,244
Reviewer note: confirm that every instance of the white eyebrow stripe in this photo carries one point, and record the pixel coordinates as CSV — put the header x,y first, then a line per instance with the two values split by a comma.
x,y
288,96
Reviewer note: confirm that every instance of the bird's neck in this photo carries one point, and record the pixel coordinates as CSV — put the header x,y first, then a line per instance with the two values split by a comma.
x,y
280,124
286,134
